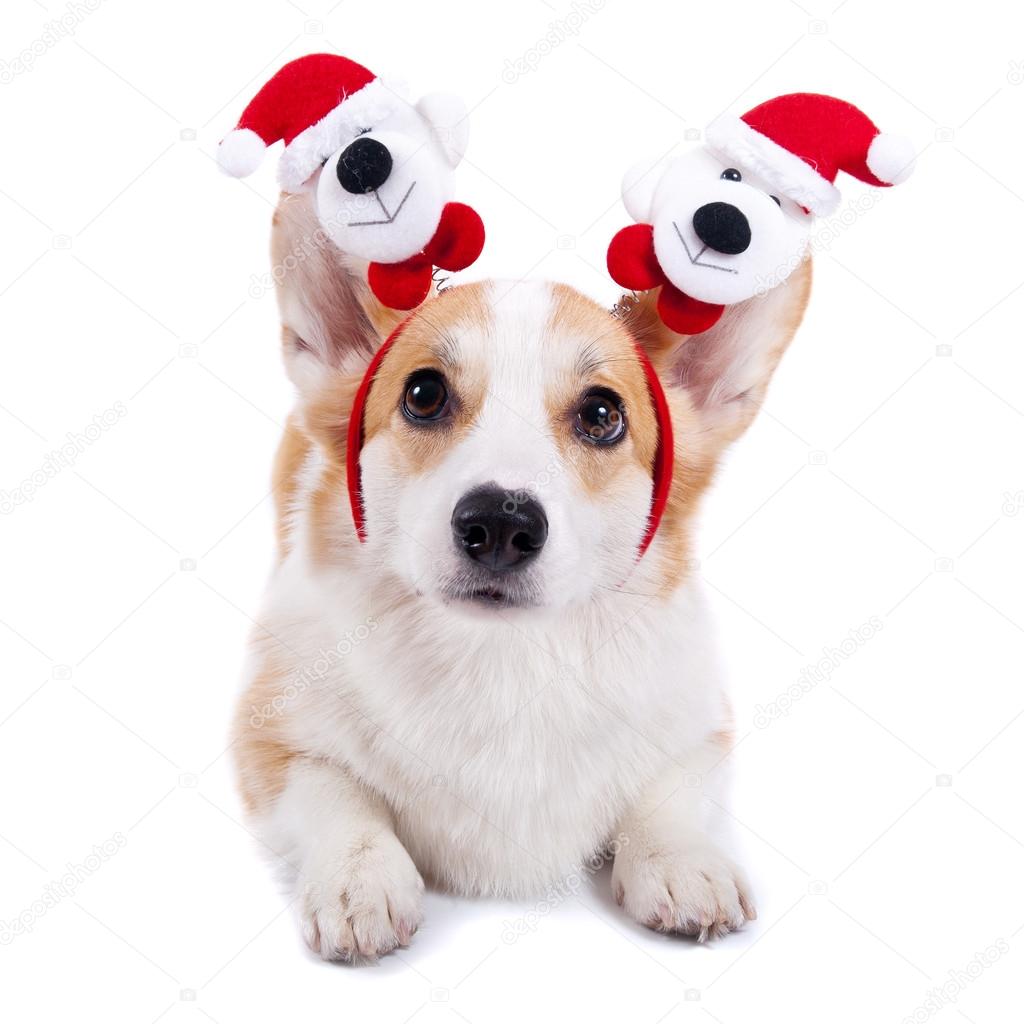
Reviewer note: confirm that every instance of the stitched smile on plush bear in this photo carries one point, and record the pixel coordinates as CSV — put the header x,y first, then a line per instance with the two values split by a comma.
x,y
695,257
389,217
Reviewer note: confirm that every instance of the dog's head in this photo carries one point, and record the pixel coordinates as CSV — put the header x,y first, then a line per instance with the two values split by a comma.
x,y
721,234
509,435
508,444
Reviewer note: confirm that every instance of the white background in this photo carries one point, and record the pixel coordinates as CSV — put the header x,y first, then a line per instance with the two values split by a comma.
x,y
881,817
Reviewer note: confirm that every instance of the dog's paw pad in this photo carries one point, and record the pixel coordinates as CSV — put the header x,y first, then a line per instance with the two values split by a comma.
x,y
694,890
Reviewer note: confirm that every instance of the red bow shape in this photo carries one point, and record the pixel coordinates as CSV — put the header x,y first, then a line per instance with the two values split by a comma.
x,y
633,264
457,242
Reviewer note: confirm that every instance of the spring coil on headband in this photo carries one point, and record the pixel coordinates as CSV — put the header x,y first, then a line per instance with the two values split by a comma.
x,y
440,279
624,305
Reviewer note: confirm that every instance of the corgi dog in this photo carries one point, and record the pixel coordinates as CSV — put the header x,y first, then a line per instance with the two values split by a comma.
x,y
477,667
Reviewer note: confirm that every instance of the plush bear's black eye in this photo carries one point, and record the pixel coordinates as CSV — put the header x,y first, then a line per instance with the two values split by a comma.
x,y
426,397
600,418
731,174
776,200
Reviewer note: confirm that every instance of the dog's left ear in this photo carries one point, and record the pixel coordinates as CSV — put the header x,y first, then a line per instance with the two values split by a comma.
x,y
332,323
449,118
724,371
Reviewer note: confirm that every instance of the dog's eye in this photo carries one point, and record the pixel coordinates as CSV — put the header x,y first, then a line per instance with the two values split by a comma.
x,y
776,200
601,418
426,396
731,174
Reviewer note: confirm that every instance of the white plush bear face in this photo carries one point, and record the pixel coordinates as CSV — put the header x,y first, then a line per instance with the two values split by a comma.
x,y
721,235
381,193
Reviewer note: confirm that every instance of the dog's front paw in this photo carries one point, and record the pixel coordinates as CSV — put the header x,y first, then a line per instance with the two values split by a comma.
x,y
693,889
361,902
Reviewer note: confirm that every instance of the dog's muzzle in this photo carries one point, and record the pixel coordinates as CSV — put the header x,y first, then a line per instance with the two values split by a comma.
x,y
497,530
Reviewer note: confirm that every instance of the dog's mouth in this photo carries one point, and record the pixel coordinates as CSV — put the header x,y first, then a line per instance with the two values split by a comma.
x,y
491,597
388,215
489,594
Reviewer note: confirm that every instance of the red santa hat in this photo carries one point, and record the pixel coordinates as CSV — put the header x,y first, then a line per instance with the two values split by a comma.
x,y
311,104
799,143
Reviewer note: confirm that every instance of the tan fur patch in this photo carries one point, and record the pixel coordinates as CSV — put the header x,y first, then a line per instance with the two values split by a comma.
x,y
692,474
291,454
262,753
702,433
596,351
724,739
430,341
323,418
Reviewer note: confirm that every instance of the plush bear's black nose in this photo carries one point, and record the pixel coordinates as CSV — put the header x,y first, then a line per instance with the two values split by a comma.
x,y
500,530
364,166
723,228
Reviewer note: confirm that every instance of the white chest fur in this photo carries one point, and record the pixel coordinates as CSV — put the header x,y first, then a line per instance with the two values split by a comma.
x,y
508,746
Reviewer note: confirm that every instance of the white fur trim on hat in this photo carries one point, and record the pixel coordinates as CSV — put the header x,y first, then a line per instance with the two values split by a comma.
x,y
240,152
308,150
731,137
891,158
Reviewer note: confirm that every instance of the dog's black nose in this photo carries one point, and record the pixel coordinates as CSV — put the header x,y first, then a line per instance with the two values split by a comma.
x,y
501,530
364,166
722,227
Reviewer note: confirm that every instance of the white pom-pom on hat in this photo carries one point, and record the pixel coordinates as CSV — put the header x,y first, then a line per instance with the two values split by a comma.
x,y
891,158
240,152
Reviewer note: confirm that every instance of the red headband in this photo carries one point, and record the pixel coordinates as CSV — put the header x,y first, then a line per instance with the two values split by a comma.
x,y
661,470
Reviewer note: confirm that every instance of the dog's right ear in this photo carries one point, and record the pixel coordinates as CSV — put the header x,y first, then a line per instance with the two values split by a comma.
x,y
724,371
332,324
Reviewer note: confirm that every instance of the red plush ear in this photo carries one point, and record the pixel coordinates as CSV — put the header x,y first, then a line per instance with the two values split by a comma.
x,y
459,238
632,264
684,314
631,259
400,285
457,242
